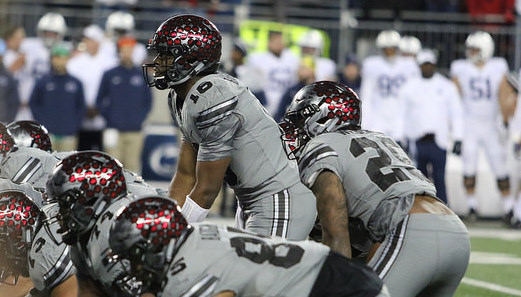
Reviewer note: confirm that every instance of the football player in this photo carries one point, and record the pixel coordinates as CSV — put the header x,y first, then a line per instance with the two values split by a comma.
x,y
227,135
383,76
312,44
31,159
481,79
89,187
174,258
27,250
361,175
121,24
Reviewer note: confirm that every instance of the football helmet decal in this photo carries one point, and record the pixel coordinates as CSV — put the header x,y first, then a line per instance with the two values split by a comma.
x,y
6,140
84,185
148,233
193,43
318,108
19,218
30,134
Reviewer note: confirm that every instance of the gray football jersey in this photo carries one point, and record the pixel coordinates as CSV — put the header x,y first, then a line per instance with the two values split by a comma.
x,y
136,185
378,177
222,118
109,274
217,258
36,196
27,164
49,262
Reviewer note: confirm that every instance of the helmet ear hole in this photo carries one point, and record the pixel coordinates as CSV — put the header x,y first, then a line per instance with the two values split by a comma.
x,y
323,120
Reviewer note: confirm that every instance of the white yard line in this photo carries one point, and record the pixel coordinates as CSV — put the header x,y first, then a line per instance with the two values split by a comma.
x,y
491,286
505,234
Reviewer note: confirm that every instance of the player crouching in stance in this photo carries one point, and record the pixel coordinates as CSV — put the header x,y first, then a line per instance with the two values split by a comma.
x,y
88,187
26,250
360,175
174,258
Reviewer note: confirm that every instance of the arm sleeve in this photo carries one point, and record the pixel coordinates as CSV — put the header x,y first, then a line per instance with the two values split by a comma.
x,y
217,139
317,159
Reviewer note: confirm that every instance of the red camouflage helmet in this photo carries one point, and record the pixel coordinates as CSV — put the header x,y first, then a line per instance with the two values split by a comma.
x,y
30,134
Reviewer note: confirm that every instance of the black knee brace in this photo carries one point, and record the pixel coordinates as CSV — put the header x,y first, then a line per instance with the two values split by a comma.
x,y
469,182
503,184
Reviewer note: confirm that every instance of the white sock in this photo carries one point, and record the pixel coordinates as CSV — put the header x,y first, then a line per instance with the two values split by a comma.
x,y
508,203
472,202
517,208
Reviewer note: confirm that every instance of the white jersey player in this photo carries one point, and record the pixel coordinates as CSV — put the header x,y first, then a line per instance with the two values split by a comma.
x,y
312,43
227,136
482,83
51,29
120,24
279,68
173,258
361,175
383,76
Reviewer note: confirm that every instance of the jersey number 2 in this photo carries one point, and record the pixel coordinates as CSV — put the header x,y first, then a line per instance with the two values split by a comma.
x,y
377,165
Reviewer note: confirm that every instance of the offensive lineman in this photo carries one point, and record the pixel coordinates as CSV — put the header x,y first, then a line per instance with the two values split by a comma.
x,y
227,135
383,76
482,82
173,258
361,175
27,249
89,187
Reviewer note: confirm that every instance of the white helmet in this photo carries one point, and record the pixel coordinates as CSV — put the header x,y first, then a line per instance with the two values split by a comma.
x,y
119,21
51,22
482,41
312,39
388,38
410,45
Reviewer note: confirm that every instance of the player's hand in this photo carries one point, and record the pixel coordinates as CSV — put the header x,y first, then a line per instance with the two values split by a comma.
x,y
456,149
517,149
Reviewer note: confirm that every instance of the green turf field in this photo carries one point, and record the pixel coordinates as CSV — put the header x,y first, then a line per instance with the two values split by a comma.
x,y
495,264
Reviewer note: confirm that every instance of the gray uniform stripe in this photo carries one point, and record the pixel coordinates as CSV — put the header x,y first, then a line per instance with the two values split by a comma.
x,y
28,170
59,271
280,214
202,288
392,249
316,154
214,114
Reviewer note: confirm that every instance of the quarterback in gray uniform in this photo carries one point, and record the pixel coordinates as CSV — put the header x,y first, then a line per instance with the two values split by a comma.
x,y
174,258
227,135
89,187
27,250
366,176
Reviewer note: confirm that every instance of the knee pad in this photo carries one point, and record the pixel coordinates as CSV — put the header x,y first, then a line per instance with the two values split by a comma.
x,y
469,182
503,184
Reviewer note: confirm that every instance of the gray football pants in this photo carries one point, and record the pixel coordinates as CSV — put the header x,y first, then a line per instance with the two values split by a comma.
x,y
425,255
290,214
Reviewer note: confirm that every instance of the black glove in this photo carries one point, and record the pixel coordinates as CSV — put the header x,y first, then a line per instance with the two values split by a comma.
x,y
456,149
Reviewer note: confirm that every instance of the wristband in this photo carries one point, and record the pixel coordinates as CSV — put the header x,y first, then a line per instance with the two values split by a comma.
x,y
192,212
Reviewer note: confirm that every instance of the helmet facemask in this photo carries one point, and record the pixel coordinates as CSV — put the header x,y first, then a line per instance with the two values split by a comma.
x,y
148,234
19,218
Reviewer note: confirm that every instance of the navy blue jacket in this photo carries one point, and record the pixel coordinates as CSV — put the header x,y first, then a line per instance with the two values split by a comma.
x,y
9,100
58,103
124,99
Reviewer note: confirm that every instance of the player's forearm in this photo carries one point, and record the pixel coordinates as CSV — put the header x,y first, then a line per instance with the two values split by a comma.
x,y
204,195
181,186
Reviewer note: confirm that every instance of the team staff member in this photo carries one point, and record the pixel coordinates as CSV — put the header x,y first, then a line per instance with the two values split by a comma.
x,y
432,119
228,135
